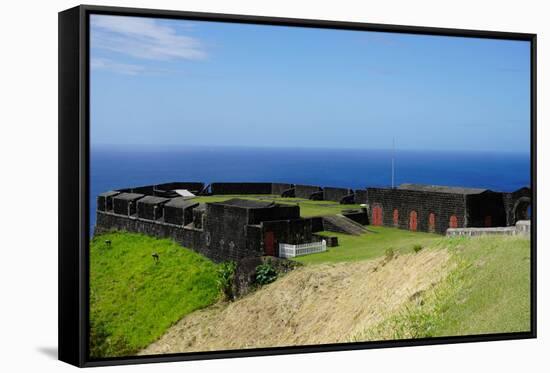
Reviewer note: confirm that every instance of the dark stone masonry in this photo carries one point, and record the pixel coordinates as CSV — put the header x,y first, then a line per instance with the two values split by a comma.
x,y
151,207
306,191
430,208
126,203
230,230
336,194
179,211
239,228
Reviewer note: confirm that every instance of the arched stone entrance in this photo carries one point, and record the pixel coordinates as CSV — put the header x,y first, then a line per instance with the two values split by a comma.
x,y
413,221
377,217
453,222
521,209
395,218
431,222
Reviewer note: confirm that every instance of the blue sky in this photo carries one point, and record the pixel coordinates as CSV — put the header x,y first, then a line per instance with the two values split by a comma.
x,y
173,82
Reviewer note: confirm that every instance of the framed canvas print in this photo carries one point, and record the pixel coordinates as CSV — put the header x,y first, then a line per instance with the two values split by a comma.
x,y
235,186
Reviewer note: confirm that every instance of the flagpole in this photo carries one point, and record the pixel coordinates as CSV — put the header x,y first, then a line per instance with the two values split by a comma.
x,y
393,164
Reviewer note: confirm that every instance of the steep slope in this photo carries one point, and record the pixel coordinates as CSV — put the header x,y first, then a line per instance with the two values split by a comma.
x,y
312,305
488,291
134,298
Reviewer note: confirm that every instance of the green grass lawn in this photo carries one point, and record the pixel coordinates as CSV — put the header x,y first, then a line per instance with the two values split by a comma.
x,y
308,207
488,291
133,300
370,245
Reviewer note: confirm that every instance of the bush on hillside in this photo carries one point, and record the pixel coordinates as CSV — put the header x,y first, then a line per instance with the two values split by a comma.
x,y
417,248
389,254
265,274
226,277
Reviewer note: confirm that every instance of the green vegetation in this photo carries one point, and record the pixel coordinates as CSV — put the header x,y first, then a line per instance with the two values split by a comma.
x,y
390,254
134,298
487,291
265,274
370,245
226,277
308,207
417,248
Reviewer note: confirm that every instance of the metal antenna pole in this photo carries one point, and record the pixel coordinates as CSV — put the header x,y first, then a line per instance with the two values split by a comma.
x,y
393,164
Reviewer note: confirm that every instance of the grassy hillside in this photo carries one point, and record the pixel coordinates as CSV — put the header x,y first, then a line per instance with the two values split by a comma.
x,y
487,292
133,299
370,245
371,287
314,304
453,286
307,207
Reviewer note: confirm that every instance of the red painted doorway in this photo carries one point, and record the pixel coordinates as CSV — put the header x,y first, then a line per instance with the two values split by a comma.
x,y
413,221
269,244
377,215
453,222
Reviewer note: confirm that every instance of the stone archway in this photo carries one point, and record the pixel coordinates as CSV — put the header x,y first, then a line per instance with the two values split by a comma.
x,y
521,209
413,221
377,216
453,222
431,222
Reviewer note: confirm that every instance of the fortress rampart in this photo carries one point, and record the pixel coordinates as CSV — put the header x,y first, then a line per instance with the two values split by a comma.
x,y
230,230
239,228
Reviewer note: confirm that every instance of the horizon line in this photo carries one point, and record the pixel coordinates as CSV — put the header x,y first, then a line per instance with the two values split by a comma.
x,y
397,149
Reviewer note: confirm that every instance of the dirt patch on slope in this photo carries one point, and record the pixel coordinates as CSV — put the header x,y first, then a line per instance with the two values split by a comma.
x,y
311,305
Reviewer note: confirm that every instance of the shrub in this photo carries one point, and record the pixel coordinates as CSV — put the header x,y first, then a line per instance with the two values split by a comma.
x,y
265,274
417,248
226,277
390,254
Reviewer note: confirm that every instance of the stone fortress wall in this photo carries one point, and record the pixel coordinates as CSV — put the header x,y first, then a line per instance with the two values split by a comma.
x,y
219,231
239,228
435,209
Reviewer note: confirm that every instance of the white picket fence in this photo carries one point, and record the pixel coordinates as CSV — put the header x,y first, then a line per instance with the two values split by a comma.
x,y
290,251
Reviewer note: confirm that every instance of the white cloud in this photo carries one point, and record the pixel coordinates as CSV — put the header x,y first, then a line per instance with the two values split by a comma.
x,y
143,38
117,67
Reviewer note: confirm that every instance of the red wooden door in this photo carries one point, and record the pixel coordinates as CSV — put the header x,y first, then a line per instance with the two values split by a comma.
x,y
488,221
453,222
413,222
431,222
377,215
269,244
395,217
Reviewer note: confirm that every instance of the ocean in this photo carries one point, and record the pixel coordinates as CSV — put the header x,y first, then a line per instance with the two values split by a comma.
x,y
120,167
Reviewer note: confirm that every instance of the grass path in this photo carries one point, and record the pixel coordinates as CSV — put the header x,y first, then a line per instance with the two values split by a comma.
x,y
370,245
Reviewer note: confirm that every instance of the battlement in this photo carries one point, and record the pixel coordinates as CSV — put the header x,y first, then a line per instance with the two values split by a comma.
x,y
239,228
228,230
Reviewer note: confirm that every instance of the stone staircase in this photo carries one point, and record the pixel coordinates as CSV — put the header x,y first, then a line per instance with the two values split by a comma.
x,y
341,224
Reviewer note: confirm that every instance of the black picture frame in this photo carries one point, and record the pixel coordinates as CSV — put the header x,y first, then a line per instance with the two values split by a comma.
x,y
74,177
